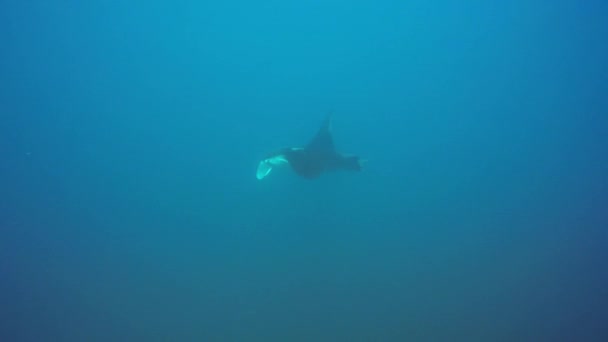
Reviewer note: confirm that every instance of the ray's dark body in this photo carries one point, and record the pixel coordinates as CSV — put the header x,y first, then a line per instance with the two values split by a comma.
x,y
319,155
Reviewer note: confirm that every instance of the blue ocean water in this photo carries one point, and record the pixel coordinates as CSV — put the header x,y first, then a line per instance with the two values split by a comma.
x,y
130,134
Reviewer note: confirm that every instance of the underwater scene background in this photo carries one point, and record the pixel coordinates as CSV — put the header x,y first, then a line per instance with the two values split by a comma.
x,y
130,133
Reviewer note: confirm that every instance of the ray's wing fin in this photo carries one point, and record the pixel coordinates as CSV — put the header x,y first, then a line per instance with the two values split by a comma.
x,y
323,140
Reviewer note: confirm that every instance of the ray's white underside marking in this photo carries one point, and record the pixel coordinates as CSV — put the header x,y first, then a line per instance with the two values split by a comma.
x,y
266,165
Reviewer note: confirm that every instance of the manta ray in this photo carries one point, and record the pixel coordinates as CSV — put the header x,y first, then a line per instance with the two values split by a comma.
x,y
312,160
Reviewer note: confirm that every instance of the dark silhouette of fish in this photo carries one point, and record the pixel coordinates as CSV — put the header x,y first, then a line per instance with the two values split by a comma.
x,y
312,160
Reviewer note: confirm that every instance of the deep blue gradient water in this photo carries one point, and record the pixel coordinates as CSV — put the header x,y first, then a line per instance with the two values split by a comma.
x,y
130,133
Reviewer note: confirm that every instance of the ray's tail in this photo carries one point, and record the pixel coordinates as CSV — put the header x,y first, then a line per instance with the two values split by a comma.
x,y
352,163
